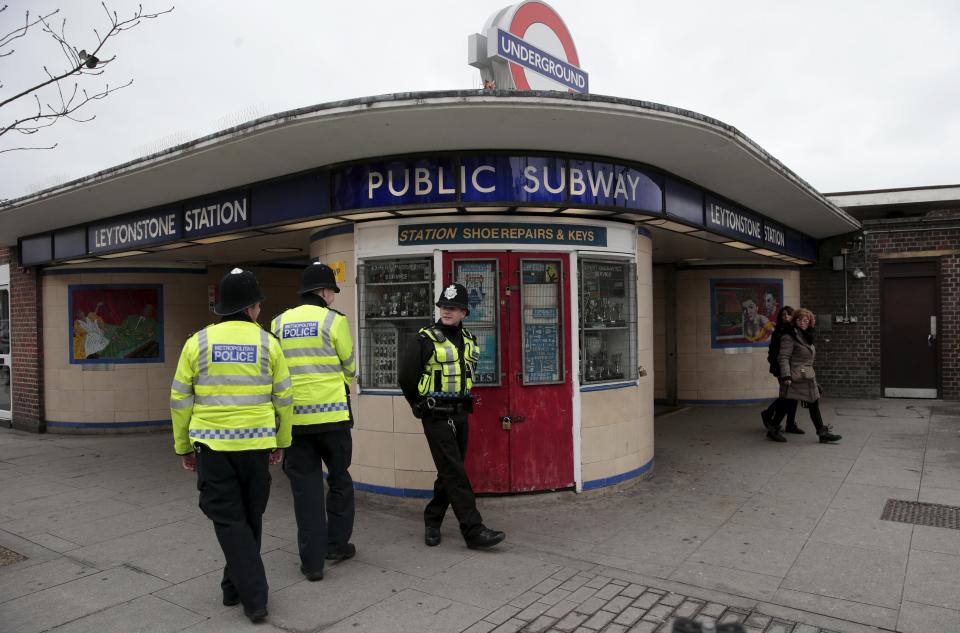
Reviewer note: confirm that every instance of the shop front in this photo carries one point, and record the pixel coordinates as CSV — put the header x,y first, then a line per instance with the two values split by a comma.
x,y
556,310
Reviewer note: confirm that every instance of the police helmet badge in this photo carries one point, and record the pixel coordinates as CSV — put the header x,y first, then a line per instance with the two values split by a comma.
x,y
450,292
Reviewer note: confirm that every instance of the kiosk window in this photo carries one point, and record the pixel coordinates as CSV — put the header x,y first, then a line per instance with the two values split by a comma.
x,y
542,331
480,277
608,321
395,302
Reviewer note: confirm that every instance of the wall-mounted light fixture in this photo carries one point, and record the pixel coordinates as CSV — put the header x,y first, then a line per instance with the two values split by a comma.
x,y
857,273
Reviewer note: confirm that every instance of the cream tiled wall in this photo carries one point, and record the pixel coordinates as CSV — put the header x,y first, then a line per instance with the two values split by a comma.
x,y
132,392
617,424
704,373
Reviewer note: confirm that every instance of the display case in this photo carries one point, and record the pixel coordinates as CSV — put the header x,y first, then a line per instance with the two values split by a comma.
x,y
395,302
479,277
608,321
542,321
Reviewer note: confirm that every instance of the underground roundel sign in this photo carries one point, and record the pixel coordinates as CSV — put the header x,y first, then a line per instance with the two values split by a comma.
x,y
527,46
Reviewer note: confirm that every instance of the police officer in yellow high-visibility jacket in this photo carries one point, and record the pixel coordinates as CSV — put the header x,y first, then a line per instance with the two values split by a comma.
x,y
316,341
436,376
231,385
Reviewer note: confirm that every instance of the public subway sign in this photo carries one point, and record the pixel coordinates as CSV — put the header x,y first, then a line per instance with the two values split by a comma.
x,y
219,213
510,180
527,46
737,223
500,232
149,228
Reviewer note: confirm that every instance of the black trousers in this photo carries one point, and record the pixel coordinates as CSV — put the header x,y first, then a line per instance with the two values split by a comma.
x,y
783,408
447,438
321,527
815,416
234,489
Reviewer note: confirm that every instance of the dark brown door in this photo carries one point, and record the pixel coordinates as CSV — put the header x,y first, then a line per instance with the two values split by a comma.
x,y
909,323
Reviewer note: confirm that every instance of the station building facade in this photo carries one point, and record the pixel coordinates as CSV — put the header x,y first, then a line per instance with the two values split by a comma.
x,y
616,253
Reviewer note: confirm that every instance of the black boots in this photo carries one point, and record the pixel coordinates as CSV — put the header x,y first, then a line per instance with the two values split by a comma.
x,y
773,428
484,538
826,435
257,615
312,576
767,416
348,551
431,536
793,428
775,436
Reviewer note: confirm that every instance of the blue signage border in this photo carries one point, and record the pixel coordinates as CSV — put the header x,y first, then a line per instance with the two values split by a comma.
x,y
445,180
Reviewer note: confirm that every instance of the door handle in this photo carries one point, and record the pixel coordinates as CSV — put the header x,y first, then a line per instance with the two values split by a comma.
x,y
931,339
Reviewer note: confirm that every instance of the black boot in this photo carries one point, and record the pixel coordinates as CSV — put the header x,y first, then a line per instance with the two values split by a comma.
x,y
432,536
484,538
793,428
775,436
346,552
256,615
826,435
312,576
767,416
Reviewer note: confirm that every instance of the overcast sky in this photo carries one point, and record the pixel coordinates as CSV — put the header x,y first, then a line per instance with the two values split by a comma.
x,y
849,95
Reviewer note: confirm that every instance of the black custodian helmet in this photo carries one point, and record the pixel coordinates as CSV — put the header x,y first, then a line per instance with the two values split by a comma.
x,y
239,289
317,276
454,296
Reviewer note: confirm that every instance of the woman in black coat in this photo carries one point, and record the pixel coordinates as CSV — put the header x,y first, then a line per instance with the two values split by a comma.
x,y
781,407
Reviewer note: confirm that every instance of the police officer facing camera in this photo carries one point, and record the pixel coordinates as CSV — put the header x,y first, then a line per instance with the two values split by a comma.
x,y
230,385
436,375
316,341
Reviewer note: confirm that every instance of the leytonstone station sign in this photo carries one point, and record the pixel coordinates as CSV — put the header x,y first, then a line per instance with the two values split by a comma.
x,y
527,46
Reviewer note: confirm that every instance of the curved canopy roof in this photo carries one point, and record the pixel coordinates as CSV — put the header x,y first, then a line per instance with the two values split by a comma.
x,y
702,150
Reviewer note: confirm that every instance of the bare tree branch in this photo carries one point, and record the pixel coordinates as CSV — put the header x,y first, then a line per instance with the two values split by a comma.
x,y
18,33
19,149
79,63
31,124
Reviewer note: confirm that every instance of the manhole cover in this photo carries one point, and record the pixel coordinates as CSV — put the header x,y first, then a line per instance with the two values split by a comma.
x,y
917,513
9,557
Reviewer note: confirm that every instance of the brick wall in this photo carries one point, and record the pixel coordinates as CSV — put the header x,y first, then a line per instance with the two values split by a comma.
x,y
26,338
848,356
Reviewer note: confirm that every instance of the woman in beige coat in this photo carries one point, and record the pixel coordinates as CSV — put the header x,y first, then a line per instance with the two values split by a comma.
x,y
798,378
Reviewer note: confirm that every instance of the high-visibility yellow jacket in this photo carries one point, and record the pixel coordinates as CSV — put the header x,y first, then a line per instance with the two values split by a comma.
x,y
231,384
319,349
446,374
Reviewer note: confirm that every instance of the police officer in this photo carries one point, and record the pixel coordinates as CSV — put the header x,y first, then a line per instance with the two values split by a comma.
x,y
436,375
231,384
316,341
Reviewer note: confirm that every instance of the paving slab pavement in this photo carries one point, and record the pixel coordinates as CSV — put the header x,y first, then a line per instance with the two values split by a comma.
x,y
785,538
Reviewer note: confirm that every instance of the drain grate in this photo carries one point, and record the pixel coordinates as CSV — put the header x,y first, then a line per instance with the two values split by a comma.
x,y
917,513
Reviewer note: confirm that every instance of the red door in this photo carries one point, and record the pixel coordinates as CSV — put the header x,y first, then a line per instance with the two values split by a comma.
x,y
521,431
